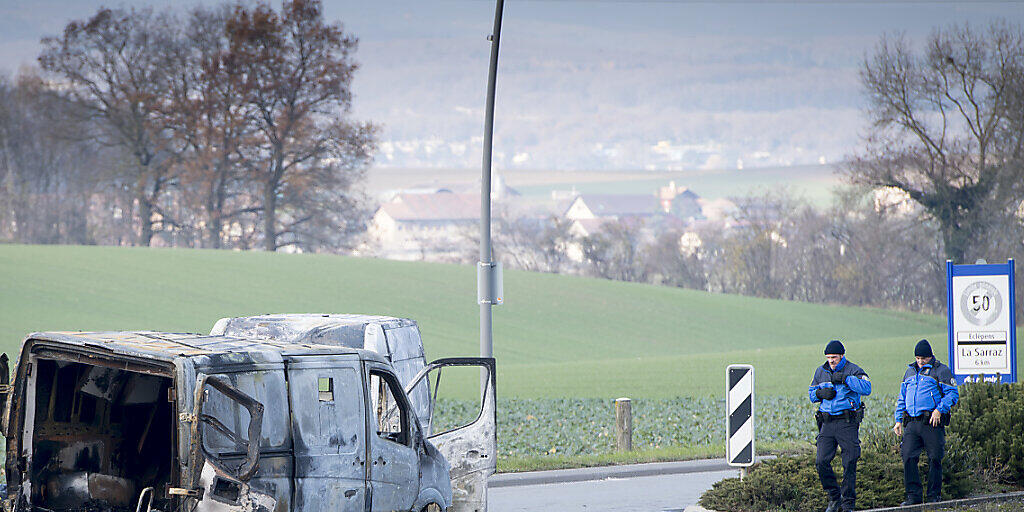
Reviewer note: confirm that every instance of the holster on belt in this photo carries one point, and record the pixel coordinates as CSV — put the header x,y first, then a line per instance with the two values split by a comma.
x,y
926,418
854,415
819,418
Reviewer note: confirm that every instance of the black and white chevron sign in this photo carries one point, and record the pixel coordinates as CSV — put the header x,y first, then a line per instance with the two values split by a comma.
x,y
739,448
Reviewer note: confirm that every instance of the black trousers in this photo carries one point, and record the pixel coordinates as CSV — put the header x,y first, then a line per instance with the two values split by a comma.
x,y
918,435
846,436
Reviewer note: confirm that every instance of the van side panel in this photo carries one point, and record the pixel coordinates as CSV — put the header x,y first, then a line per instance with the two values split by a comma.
x,y
328,421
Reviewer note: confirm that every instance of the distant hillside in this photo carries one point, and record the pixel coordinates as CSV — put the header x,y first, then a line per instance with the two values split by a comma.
x,y
812,181
555,336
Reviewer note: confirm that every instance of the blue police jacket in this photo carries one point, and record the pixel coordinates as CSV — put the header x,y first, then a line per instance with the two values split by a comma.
x,y
848,394
925,389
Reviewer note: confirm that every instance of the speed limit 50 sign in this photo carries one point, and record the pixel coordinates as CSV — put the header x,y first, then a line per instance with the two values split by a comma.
x,y
982,330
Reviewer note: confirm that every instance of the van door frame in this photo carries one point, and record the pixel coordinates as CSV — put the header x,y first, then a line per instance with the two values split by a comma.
x,y
375,460
255,429
21,401
470,449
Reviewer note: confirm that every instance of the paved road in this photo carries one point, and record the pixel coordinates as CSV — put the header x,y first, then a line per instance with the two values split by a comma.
x,y
638,488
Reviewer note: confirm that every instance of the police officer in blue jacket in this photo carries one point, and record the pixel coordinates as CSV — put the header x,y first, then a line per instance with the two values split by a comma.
x,y
927,394
839,385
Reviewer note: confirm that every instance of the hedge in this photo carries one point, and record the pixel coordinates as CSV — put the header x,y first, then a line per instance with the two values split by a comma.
x,y
990,418
985,440
791,483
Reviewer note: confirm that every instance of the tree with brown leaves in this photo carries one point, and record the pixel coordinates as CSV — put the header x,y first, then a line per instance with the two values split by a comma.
x,y
299,70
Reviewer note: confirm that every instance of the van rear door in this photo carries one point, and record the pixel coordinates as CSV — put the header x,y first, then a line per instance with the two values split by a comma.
x,y
471,449
220,484
6,391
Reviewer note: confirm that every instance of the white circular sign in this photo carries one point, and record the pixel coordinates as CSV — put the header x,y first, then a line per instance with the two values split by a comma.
x,y
981,303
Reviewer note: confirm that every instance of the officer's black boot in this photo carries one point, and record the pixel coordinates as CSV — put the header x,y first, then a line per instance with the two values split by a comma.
x,y
833,506
910,501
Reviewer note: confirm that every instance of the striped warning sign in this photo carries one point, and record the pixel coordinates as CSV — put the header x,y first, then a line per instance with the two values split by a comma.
x,y
739,447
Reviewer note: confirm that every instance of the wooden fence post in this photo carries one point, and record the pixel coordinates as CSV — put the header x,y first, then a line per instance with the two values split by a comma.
x,y
623,425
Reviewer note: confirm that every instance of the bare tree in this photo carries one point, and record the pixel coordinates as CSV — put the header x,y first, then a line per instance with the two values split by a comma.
x,y
946,127
531,243
753,255
299,71
667,263
887,256
110,66
46,181
615,252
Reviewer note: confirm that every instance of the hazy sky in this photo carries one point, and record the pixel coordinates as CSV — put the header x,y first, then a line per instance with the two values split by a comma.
x,y
599,84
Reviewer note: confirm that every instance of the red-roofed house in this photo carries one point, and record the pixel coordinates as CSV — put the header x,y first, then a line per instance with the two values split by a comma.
x,y
432,226
612,206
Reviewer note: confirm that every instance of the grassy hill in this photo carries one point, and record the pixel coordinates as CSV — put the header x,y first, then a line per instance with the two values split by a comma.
x,y
556,336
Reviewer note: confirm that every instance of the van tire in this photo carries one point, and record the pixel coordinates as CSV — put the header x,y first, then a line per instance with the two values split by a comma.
x,y
433,507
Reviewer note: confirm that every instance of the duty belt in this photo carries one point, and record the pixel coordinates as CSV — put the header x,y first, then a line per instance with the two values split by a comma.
x,y
850,415
837,417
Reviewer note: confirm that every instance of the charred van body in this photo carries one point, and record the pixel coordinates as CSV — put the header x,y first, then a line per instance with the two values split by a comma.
x,y
397,339
161,421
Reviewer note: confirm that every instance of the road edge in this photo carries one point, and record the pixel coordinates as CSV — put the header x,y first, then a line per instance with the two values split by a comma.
x,y
602,472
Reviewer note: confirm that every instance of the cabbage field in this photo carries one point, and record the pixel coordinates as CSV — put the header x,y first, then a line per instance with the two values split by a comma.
x,y
571,427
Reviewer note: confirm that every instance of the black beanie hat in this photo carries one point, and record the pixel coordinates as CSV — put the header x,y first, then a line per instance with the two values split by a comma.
x,y
834,347
923,349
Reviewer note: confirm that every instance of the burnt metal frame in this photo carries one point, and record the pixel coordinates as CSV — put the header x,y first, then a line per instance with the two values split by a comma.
x,y
483,362
251,462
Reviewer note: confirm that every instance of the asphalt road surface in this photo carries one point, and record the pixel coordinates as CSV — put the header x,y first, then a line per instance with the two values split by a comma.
x,y
658,493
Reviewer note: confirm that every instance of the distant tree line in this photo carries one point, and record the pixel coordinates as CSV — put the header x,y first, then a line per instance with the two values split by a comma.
x,y
941,176
860,250
225,127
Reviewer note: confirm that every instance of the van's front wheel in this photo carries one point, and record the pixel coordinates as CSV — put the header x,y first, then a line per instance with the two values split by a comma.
x,y
433,507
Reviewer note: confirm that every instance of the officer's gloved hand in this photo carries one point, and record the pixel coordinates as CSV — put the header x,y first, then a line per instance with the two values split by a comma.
x,y
837,378
825,393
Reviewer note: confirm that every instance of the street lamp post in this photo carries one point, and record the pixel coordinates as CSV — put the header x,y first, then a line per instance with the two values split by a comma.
x,y
485,271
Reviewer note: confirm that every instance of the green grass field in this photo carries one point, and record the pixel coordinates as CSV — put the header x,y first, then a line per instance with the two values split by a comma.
x,y
556,336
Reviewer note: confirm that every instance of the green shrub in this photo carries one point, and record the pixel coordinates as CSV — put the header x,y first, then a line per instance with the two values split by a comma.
x,y
791,483
990,419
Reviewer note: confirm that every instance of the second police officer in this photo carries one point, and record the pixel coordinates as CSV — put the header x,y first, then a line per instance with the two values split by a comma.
x,y
838,386
927,394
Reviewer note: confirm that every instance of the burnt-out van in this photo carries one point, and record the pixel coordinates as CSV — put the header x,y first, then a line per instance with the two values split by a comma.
x,y
397,339
167,422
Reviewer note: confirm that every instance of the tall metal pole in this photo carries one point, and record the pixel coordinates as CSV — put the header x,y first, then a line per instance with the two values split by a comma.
x,y
486,270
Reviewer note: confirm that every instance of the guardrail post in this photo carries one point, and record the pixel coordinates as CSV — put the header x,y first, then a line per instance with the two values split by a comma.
x,y
623,425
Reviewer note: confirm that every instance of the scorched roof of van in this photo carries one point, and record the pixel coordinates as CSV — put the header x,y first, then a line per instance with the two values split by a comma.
x,y
163,346
333,329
